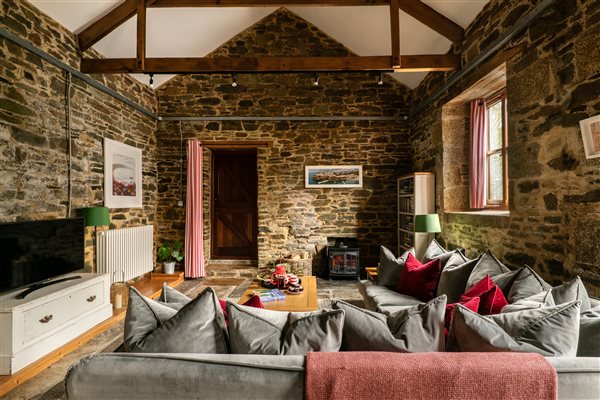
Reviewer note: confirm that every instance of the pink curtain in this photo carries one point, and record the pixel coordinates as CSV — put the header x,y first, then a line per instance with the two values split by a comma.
x,y
194,241
477,167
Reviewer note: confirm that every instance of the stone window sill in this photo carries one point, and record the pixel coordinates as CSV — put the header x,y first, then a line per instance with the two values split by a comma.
x,y
490,213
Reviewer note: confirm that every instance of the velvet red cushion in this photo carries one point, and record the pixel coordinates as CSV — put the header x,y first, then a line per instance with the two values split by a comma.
x,y
253,301
491,297
471,304
419,280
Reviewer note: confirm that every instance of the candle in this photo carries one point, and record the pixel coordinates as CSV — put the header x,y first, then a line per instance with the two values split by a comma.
x,y
118,300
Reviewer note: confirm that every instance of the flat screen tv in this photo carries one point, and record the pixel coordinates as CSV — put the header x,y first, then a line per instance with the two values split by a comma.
x,y
34,251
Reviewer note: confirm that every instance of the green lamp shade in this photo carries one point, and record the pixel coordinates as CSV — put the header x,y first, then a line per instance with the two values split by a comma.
x,y
95,216
427,223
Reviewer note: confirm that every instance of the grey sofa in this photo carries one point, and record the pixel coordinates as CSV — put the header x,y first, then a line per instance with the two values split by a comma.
x,y
239,376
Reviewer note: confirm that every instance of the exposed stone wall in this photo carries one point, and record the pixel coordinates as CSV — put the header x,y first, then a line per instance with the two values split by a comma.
x,y
33,136
290,216
554,221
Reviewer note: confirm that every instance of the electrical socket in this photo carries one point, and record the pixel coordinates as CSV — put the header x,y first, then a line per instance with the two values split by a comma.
x,y
180,203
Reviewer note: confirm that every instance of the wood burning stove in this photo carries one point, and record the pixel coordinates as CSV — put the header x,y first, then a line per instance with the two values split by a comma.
x,y
342,256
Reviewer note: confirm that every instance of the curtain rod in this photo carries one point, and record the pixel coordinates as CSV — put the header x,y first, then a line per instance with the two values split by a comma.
x,y
285,118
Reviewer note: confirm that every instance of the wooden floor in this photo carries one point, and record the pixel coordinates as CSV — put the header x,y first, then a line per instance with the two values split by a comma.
x,y
149,286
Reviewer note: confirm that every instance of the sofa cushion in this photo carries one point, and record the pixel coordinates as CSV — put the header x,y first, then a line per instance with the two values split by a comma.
x,y
524,284
549,331
472,304
571,291
172,297
390,267
487,264
413,329
453,278
538,300
152,327
434,250
261,331
491,297
377,297
589,333
419,280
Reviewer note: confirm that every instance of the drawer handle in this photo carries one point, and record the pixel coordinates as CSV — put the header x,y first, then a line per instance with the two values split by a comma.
x,y
91,298
46,319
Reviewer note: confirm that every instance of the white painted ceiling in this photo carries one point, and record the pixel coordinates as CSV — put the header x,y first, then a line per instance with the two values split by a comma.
x,y
195,32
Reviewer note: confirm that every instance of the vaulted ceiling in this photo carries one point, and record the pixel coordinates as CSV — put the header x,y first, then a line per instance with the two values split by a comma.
x,y
195,32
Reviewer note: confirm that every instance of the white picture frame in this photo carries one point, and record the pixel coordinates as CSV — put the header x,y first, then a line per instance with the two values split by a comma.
x,y
590,133
122,175
333,176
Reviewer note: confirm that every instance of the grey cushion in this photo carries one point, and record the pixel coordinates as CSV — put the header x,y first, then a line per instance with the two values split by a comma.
x,y
570,291
413,329
260,331
198,327
538,300
454,276
524,284
487,264
434,250
390,267
589,333
549,331
172,297
376,297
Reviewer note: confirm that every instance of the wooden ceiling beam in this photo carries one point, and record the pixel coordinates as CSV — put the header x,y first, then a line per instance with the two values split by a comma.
x,y
267,3
226,65
141,34
433,19
395,28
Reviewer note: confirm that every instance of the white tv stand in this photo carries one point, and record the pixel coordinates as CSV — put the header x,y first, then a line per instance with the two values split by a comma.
x,y
49,317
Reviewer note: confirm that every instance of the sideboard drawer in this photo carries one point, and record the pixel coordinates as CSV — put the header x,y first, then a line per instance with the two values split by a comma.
x,y
45,318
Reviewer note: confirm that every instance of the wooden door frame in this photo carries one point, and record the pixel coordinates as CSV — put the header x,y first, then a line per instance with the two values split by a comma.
x,y
241,150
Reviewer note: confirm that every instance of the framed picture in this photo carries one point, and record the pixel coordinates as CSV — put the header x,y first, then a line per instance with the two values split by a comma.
x,y
340,176
122,175
590,133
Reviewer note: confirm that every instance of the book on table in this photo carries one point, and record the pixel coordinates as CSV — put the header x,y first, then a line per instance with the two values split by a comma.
x,y
269,294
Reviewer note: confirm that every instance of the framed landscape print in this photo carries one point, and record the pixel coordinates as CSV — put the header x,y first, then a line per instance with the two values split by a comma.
x,y
340,176
590,133
122,175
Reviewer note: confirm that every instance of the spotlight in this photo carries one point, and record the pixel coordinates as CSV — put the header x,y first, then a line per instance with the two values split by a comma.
x,y
233,81
316,81
152,81
380,80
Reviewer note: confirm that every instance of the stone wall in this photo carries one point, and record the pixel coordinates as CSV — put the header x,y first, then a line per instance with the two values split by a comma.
x,y
33,136
290,216
554,221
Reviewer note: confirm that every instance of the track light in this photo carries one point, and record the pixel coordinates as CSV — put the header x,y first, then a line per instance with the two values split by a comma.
x,y
151,81
316,81
233,81
380,80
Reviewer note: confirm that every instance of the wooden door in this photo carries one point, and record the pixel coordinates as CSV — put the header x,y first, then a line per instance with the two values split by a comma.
x,y
234,207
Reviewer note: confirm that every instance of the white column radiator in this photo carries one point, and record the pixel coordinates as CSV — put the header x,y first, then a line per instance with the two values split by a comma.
x,y
125,253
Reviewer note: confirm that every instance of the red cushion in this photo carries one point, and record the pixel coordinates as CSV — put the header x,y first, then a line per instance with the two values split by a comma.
x,y
492,298
471,304
253,301
419,280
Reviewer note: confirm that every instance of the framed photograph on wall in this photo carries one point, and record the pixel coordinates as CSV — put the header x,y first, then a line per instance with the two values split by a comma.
x,y
333,176
590,133
122,175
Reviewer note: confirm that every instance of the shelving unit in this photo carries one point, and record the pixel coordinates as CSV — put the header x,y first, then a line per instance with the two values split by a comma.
x,y
416,195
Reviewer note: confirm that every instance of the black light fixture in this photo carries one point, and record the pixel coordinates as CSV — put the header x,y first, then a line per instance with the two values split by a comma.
x,y
152,81
380,80
316,81
233,81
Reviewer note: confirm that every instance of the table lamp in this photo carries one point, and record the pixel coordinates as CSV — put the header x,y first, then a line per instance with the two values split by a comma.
x,y
95,216
427,223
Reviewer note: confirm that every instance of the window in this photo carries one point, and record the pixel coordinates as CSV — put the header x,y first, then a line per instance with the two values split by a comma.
x,y
496,176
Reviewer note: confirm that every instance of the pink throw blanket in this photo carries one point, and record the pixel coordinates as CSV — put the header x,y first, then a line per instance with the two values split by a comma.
x,y
461,376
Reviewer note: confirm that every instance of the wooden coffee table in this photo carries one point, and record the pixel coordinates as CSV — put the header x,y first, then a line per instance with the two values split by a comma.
x,y
306,301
